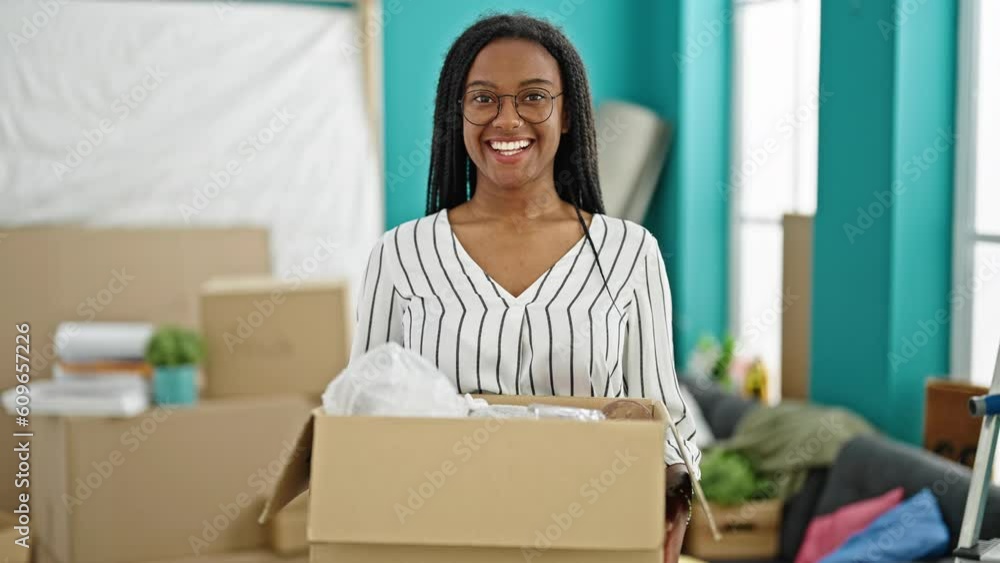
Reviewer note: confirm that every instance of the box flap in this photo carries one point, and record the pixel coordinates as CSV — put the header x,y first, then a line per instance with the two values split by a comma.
x,y
251,284
294,478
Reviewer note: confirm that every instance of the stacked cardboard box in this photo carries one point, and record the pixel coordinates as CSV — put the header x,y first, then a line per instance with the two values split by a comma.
x,y
105,274
172,486
256,556
167,484
15,546
287,530
267,336
474,490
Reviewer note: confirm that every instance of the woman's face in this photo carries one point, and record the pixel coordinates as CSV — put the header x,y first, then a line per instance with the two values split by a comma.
x,y
509,66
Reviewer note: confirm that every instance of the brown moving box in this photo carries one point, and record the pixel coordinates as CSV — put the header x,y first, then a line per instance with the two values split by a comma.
x,y
949,430
11,552
237,557
287,530
165,484
796,314
268,336
104,274
468,490
749,531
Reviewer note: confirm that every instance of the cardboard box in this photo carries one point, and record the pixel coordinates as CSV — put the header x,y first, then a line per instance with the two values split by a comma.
x,y
949,430
480,490
239,557
796,316
749,531
44,556
82,274
268,336
11,552
287,530
166,484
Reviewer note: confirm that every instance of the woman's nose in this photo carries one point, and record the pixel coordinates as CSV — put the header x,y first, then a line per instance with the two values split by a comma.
x,y
508,117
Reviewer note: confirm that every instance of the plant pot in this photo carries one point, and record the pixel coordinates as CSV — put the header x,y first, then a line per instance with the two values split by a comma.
x,y
175,385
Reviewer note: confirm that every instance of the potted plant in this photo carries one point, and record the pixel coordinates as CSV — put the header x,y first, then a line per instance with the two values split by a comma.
x,y
175,354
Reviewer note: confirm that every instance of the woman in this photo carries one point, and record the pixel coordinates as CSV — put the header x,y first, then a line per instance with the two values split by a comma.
x,y
515,281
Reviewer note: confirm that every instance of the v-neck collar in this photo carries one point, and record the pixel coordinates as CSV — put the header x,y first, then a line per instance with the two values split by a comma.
x,y
535,286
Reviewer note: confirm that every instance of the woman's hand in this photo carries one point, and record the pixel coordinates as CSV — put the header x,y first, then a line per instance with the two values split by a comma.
x,y
678,508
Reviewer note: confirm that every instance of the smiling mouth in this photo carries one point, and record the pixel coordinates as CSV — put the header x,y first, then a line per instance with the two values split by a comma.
x,y
510,148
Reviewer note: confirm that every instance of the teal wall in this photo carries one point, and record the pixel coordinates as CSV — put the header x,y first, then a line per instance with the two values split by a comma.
x,y
882,257
690,215
633,51
416,41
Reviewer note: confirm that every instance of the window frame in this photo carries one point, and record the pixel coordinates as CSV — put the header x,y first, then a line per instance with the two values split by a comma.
x,y
964,234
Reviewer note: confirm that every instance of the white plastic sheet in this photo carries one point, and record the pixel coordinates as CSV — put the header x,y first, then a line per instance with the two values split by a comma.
x,y
191,113
390,380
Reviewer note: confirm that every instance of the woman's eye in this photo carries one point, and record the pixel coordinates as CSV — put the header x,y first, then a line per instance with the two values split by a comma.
x,y
534,97
483,99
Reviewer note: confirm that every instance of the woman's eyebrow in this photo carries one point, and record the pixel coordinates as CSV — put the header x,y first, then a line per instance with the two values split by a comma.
x,y
523,83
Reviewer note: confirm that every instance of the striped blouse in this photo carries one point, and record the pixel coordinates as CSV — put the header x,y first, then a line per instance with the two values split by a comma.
x,y
561,336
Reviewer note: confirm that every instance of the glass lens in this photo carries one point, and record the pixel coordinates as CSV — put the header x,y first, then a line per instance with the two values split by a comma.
x,y
534,105
480,106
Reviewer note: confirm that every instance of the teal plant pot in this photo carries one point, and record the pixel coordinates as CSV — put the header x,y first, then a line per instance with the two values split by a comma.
x,y
175,385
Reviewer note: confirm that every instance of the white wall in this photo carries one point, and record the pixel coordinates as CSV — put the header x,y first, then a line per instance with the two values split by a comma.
x,y
130,113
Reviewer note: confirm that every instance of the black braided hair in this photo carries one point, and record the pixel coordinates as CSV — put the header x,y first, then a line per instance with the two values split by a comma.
x,y
452,178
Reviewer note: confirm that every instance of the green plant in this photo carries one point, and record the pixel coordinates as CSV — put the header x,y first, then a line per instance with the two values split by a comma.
x,y
728,478
721,370
175,346
714,359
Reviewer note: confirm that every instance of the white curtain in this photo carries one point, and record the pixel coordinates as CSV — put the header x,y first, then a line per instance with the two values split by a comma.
x,y
192,113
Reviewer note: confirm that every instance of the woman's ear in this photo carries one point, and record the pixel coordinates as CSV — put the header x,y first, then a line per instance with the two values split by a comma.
x,y
565,120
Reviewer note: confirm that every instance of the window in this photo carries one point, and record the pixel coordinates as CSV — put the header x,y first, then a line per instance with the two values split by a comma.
x,y
776,100
976,293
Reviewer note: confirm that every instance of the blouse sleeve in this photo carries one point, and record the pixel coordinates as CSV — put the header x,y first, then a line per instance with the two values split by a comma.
x,y
649,353
379,306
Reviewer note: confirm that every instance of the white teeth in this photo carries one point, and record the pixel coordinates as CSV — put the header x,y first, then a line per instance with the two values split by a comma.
x,y
515,146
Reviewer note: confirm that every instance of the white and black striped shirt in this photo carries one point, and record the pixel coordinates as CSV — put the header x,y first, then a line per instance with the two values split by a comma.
x,y
561,336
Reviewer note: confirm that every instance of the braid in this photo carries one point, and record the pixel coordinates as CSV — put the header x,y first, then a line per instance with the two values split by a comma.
x,y
452,180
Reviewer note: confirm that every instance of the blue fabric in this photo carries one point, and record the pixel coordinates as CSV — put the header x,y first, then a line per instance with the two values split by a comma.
x,y
911,531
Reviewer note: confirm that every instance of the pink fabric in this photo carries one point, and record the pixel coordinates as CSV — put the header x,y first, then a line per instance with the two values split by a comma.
x,y
826,533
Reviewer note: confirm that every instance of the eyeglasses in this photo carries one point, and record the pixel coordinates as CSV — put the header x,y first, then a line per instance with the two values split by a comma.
x,y
534,105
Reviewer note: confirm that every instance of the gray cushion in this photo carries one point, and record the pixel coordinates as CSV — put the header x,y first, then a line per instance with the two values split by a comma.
x,y
799,510
722,410
871,465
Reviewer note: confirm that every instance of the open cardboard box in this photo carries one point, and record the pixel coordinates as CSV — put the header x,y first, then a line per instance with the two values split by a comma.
x,y
484,490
